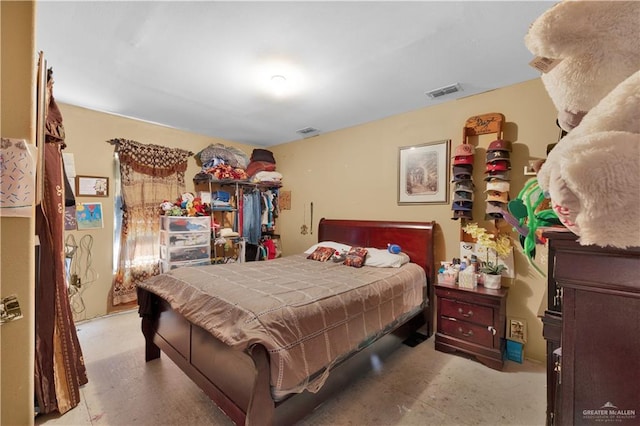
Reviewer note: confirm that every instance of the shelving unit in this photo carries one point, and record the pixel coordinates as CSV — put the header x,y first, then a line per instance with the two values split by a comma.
x,y
232,216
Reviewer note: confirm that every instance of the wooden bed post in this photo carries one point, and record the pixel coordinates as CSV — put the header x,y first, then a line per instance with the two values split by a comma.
x,y
148,310
261,408
151,350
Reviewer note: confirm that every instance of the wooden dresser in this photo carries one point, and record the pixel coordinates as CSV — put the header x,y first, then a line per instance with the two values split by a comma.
x,y
592,327
472,321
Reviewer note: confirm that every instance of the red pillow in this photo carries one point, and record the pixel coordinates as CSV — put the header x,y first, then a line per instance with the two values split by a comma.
x,y
356,257
321,254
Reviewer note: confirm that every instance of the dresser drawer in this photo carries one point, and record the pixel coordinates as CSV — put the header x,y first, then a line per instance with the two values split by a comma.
x,y
465,311
181,254
467,331
184,239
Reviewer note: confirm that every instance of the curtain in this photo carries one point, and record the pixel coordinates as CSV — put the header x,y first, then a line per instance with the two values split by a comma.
x,y
150,174
59,369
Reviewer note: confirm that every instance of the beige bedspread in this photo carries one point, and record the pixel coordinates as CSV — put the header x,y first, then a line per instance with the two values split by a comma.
x,y
306,313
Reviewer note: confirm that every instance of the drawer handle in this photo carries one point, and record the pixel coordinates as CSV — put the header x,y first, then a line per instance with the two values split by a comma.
x,y
492,330
469,334
467,315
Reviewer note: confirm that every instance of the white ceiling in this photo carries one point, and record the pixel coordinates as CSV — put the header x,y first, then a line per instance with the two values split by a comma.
x,y
195,65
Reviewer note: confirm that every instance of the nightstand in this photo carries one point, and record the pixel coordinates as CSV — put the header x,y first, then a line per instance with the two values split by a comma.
x,y
472,321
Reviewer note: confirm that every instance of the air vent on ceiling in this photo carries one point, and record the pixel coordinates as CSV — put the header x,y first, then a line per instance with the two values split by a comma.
x,y
307,132
447,90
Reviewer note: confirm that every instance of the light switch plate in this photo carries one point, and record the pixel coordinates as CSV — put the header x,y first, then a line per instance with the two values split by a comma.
x,y
10,309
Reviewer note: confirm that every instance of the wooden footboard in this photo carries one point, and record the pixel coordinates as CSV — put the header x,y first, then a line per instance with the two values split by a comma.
x,y
238,382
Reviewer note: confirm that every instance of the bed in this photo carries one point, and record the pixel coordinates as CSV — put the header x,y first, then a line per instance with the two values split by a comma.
x,y
254,375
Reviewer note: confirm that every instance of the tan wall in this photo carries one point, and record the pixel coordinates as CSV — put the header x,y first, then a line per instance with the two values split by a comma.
x,y
17,242
353,174
87,132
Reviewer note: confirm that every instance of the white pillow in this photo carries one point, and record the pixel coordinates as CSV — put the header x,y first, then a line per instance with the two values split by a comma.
x,y
383,259
332,244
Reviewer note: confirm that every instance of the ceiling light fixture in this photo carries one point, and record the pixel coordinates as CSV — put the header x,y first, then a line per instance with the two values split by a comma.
x,y
278,84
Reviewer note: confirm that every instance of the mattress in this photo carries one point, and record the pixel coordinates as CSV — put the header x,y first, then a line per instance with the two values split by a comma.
x,y
307,314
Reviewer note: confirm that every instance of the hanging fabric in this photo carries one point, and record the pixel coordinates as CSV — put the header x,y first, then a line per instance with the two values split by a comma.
x,y
150,174
59,369
252,216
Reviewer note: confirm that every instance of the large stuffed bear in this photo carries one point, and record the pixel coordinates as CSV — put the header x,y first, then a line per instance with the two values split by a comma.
x,y
592,176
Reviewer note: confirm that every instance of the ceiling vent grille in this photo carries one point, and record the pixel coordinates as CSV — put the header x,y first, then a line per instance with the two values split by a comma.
x,y
443,91
307,132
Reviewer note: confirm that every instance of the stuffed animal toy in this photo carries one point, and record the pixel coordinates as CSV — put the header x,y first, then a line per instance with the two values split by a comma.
x,y
339,256
592,176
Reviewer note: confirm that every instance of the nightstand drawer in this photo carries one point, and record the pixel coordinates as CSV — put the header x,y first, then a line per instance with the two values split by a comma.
x,y
478,314
467,331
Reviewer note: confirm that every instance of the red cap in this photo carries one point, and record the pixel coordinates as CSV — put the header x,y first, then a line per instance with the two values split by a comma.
x,y
499,145
497,166
463,159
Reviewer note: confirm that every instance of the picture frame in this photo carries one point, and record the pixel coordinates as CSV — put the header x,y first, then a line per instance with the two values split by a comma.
x,y
92,186
89,216
517,329
529,169
423,173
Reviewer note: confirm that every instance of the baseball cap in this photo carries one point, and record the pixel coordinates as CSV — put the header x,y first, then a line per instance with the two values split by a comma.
x,y
493,216
496,207
497,155
463,159
502,197
499,145
498,166
463,150
464,185
494,210
462,196
462,214
461,205
497,175
499,186
462,169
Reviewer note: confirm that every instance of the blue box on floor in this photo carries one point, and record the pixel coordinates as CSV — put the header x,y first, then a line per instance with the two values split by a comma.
x,y
515,351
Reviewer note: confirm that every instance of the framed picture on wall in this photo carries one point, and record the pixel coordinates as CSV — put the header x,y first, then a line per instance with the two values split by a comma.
x,y
92,186
423,173
89,216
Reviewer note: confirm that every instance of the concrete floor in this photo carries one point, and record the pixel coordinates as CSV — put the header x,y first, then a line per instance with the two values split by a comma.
x,y
417,386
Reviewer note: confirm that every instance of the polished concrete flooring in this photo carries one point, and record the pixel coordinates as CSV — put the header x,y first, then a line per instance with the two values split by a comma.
x,y
416,386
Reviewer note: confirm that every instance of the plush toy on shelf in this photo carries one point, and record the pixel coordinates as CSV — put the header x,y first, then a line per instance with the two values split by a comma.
x,y
592,176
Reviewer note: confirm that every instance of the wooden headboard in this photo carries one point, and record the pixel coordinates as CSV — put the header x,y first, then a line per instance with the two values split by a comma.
x,y
415,238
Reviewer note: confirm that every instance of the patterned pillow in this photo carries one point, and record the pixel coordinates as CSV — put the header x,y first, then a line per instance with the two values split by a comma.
x,y
355,257
321,254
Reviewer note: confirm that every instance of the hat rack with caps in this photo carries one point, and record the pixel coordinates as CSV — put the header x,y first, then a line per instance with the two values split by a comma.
x,y
462,172
498,165
463,161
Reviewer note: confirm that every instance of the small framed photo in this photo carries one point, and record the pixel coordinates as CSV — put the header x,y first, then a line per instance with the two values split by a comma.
x,y
529,169
423,173
92,186
517,330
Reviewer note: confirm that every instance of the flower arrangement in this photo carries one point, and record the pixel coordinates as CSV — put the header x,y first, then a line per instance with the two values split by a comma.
x,y
500,244
185,205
